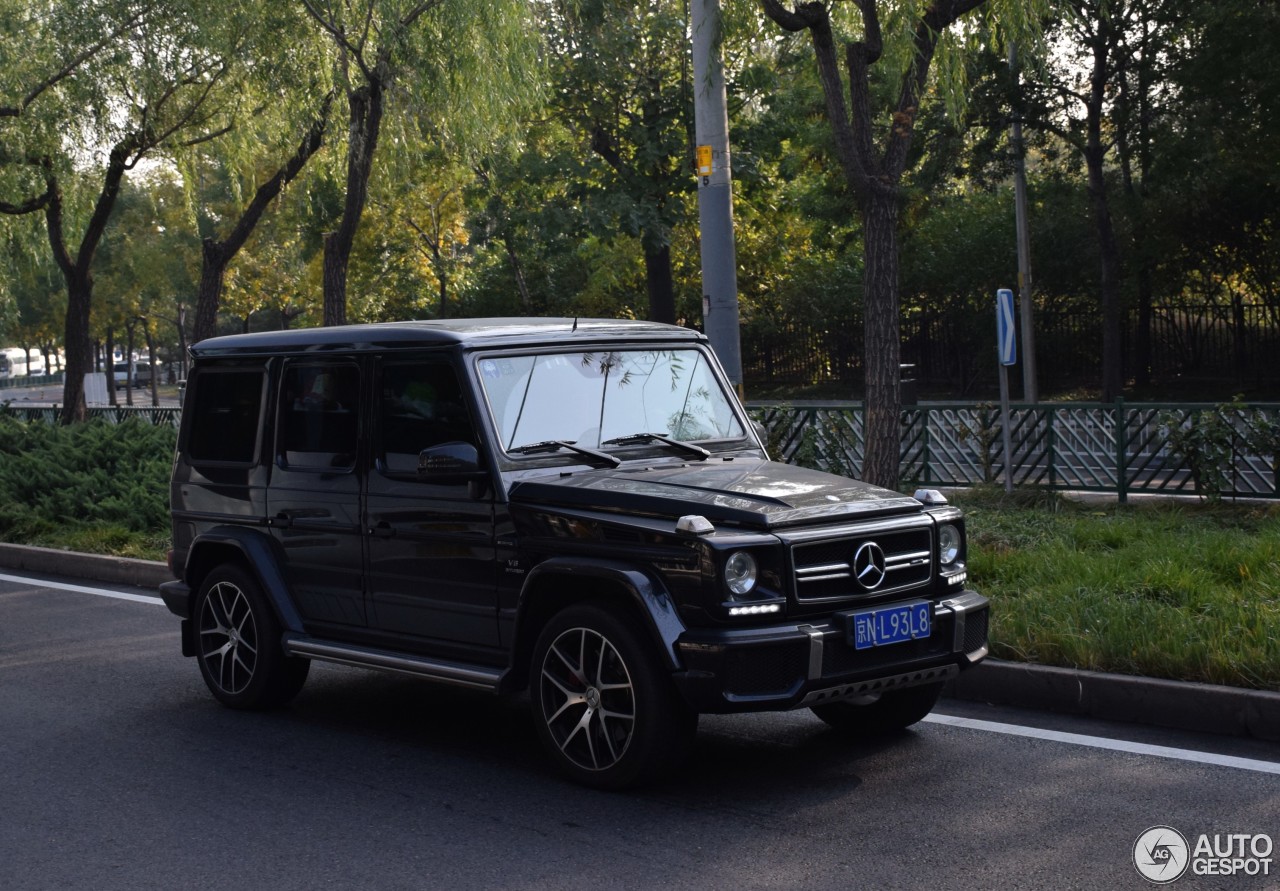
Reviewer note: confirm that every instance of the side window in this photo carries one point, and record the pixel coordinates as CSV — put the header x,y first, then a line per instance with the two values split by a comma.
x,y
319,416
422,406
226,408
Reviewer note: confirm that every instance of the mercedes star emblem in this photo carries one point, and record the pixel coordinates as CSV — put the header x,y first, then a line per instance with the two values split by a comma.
x,y
868,565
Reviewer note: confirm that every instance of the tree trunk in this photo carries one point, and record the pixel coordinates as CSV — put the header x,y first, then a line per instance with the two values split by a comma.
x,y
1143,357
213,267
1095,152
130,371
881,339
336,258
662,290
217,255
517,269
181,322
109,367
151,360
1239,340
1109,283
365,123
79,279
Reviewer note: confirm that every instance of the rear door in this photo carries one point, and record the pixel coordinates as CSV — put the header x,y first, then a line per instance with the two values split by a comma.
x,y
313,503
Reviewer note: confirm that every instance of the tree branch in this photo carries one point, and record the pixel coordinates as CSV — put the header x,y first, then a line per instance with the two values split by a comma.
x,y
13,111
422,8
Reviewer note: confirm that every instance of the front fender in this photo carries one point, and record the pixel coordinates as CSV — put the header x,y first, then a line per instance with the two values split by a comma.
x,y
644,591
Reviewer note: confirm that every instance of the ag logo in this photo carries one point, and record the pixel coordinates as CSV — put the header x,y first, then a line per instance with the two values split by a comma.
x,y
1161,855
868,565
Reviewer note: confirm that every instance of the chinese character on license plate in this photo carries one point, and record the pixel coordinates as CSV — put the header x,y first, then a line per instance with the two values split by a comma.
x,y
891,624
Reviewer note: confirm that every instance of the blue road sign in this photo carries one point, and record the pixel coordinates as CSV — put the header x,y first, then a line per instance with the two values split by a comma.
x,y
1006,333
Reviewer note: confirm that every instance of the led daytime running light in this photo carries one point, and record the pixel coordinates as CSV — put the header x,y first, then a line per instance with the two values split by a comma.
x,y
757,610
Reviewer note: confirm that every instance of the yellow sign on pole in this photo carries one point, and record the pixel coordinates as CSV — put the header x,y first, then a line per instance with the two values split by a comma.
x,y
704,160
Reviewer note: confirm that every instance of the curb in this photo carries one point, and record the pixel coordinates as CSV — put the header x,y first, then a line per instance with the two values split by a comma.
x,y
94,567
1180,705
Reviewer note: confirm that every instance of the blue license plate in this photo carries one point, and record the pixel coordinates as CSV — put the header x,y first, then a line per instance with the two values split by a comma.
x,y
891,624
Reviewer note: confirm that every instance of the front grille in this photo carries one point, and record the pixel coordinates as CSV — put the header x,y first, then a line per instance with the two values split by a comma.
x,y
824,569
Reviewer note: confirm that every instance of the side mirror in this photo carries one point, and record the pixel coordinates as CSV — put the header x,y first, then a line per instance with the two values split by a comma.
x,y
450,459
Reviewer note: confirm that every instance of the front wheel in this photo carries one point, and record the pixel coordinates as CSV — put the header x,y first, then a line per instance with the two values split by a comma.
x,y
606,710
238,643
894,710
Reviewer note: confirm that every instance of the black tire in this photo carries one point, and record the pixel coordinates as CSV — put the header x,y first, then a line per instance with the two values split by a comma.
x,y
892,711
606,709
238,643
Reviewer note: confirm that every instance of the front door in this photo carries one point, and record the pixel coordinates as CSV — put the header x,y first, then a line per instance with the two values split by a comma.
x,y
431,553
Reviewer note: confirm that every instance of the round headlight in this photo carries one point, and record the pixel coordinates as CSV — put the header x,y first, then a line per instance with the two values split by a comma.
x,y
740,573
949,544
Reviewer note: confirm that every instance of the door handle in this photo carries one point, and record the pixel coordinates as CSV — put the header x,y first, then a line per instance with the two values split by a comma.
x,y
281,521
383,530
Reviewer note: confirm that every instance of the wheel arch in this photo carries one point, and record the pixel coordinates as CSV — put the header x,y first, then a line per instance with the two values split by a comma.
x,y
257,554
561,582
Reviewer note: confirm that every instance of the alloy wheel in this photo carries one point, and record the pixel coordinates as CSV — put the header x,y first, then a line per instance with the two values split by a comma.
x,y
588,699
229,638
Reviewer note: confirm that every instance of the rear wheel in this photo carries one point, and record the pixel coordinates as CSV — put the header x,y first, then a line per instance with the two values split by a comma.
x,y
888,712
606,709
238,643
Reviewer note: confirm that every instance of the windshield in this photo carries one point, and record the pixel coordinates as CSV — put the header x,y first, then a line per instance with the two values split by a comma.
x,y
589,398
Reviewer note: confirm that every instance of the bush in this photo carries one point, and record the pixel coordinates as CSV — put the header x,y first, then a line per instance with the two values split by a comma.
x,y
93,475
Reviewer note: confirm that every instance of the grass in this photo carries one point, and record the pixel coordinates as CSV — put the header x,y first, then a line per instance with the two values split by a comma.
x,y
1181,591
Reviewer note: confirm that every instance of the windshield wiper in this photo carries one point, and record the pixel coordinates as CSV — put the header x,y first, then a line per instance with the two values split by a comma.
x,y
636,438
602,459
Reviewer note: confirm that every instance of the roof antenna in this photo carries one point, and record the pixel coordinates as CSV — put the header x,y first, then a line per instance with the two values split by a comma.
x,y
575,325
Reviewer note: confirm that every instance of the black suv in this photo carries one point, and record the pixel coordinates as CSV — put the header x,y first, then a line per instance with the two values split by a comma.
x,y
579,508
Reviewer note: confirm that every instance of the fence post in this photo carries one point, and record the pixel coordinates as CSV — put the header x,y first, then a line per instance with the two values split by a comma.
x,y
1051,445
925,470
1122,449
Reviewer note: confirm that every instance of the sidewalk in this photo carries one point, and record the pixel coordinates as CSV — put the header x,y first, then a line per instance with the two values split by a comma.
x,y
1184,706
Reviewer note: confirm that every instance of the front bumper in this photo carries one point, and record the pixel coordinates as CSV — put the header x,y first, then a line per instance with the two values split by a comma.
x,y
792,666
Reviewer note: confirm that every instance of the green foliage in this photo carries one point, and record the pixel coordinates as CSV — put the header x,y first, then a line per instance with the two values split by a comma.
x,y
1186,592
93,476
1203,441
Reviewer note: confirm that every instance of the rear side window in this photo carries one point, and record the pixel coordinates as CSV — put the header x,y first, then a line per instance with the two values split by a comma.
x,y
319,416
226,409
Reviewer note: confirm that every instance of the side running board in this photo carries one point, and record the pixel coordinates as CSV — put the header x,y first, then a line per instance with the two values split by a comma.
x,y
457,674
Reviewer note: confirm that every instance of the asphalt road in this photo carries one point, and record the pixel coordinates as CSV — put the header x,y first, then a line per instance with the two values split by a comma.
x,y
118,770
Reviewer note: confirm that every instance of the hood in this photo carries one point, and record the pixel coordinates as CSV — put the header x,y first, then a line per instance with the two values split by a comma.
x,y
747,493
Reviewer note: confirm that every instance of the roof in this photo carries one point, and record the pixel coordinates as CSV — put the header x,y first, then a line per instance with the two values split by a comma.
x,y
450,332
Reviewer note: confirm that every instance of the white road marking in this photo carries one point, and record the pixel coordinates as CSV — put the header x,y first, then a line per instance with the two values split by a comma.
x,y
80,589
1115,745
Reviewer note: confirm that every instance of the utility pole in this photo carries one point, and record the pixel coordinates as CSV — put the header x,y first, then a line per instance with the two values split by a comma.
x,y
715,192
1030,389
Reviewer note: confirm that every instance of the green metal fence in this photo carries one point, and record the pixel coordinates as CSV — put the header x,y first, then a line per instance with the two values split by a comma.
x,y
1122,448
